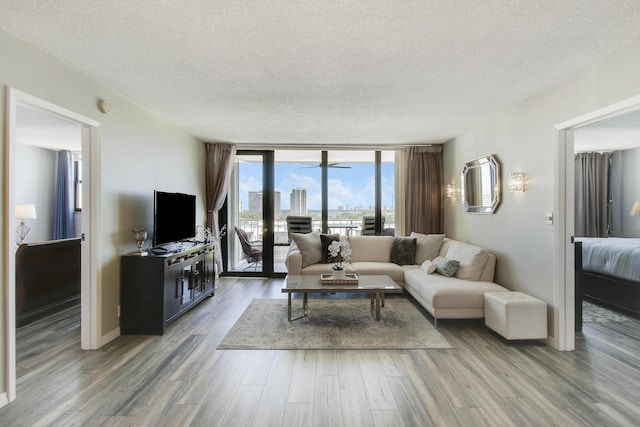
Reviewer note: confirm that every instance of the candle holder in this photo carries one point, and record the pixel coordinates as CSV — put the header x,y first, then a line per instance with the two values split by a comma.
x,y
141,236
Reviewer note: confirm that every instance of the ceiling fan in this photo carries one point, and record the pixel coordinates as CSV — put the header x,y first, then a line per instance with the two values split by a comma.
x,y
329,165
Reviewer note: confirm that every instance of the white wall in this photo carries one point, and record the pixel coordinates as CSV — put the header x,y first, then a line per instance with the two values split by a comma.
x,y
629,192
140,153
523,140
35,183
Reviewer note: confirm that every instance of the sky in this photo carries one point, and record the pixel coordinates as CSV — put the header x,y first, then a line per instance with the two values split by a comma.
x,y
354,186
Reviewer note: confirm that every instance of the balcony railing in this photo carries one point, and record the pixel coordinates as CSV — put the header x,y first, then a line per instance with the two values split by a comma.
x,y
343,227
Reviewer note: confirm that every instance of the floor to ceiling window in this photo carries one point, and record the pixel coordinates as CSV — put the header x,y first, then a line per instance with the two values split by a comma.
x,y
360,192
343,192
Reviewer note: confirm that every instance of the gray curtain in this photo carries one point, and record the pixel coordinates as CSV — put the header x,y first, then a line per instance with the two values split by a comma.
x,y
424,212
218,167
63,211
592,194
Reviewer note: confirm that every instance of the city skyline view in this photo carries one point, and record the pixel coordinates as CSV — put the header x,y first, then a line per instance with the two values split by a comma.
x,y
350,188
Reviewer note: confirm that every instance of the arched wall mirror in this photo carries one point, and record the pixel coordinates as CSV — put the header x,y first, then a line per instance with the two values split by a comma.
x,y
480,189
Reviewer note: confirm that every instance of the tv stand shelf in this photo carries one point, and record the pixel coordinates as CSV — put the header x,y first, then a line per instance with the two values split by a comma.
x,y
155,290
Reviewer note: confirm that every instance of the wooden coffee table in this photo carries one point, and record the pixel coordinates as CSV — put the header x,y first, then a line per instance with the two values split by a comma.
x,y
375,285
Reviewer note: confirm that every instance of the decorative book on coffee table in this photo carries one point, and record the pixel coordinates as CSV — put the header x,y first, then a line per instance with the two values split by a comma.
x,y
349,279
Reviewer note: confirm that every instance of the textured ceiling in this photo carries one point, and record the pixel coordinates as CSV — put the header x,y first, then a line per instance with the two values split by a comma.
x,y
325,72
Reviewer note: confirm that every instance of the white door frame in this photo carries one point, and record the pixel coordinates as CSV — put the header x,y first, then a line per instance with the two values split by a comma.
x,y
91,222
564,280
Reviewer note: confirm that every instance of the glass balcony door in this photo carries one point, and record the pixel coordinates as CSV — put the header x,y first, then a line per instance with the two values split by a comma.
x,y
249,246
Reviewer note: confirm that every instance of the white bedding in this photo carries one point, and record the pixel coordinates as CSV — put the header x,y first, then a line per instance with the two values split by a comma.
x,y
615,256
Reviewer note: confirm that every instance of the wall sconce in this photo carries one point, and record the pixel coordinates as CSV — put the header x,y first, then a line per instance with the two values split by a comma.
x,y
635,209
451,190
23,212
517,182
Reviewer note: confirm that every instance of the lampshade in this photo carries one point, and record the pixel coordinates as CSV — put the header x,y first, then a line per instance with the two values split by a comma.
x,y
635,209
26,211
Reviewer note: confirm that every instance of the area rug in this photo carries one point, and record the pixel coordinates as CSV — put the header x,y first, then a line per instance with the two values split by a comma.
x,y
332,324
592,313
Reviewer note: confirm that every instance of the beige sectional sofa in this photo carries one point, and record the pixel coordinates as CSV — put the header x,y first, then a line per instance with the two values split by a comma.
x,y
458,296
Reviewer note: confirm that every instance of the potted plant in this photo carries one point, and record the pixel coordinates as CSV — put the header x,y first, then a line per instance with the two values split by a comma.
x,y
340,254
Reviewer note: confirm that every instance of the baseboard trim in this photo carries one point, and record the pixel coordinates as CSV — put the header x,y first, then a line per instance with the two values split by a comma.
x,y
106,339
4,399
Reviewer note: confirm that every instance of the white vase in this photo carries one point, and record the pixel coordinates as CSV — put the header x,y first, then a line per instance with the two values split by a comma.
x,y
339,274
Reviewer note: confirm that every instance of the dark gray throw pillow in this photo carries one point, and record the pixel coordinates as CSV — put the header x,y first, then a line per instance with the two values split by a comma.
x,y
403,250
326,240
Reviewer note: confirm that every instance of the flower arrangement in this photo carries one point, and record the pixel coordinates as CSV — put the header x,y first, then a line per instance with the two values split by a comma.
x,y
340,254
205,235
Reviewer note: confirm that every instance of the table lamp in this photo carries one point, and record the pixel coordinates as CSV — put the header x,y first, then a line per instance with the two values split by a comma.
x,y
23,212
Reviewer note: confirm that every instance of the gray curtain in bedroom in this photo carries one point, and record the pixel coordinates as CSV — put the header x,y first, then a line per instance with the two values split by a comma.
x,y
592,194
63,210
218,167
424,182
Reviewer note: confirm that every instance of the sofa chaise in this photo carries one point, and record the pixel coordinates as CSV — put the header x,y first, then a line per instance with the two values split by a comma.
x,y
463,272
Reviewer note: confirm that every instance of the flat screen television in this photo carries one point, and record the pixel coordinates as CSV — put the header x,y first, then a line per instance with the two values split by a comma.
x,y
174,217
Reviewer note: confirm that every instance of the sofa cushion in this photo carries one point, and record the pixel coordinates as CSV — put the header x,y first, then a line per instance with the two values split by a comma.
x,y
403,250
472,259
325,240
427,246
309,246
445,266
449,292
370,248
395,271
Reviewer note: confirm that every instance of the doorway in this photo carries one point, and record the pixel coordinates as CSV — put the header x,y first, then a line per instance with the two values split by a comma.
x,y
90,148
564,280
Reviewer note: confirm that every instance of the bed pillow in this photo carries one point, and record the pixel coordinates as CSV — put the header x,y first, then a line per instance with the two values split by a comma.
x,y
326,240
427,246
445,266
403,250
428,267
310,247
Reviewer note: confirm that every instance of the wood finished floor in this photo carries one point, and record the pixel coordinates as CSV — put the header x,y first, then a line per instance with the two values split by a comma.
x,y
180,378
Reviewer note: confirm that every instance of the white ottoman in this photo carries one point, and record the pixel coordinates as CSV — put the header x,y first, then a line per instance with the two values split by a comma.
x,y
515,315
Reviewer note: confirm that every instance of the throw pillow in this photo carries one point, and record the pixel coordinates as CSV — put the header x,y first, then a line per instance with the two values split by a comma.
x,y
427,246
310,247
446,267
428,267
370,248
472,259
326,240
403,250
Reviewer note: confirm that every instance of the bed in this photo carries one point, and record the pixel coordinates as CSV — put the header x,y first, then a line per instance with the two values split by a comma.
x,y
47,278
608,273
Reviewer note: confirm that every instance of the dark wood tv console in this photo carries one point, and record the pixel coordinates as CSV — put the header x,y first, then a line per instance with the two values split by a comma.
x,y
157,289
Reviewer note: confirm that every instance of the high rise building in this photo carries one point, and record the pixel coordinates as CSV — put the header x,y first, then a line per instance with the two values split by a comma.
x,y
298,201
276,205
255,200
